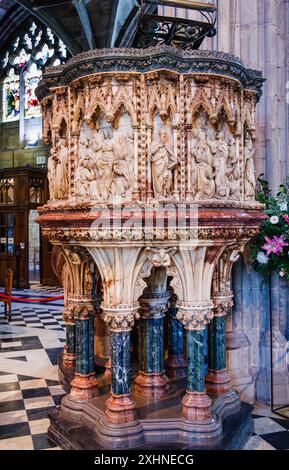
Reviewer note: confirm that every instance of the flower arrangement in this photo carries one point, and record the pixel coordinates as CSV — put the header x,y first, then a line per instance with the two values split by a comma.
x,y
270,249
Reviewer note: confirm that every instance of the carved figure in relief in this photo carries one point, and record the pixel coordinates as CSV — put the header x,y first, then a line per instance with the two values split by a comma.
x,y
51,174
250,178
105,151
160,256
202,170
60,157
163,163
233,171
105,167
84,174
220,166
122,168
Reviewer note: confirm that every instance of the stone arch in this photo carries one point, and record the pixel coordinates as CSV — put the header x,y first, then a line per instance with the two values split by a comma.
x,y
200,101
143,269
122,99
223,108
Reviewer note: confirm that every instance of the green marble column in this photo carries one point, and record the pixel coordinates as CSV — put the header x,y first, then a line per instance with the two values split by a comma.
x,y
151,381
217,344
176,363
195,361
120,407
120,363
85,346
84,385
69,353
218,380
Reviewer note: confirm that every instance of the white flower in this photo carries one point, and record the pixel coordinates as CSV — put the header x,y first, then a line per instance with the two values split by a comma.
x,y
283,206
274,219
262,258
282,273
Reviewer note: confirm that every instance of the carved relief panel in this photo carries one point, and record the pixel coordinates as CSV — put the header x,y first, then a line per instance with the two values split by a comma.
x,y
56,133
162,119
105,160
157,135
214,159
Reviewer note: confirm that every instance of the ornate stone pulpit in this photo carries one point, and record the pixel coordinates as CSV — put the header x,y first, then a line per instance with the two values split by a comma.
x,y
152,198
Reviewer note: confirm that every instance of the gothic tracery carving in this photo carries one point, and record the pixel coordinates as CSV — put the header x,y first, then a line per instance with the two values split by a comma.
x,y
149,132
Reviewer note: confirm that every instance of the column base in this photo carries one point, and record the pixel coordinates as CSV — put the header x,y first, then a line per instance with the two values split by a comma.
x,y
151,385
176,366
120,409
84,387
197,406
68,359
218,382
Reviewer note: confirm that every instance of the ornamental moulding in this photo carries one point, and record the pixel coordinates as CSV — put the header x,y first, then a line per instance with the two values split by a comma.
x,y
208,233
195,317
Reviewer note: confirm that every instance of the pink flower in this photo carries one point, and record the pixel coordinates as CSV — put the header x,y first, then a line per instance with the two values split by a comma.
x,y
274,245
286,218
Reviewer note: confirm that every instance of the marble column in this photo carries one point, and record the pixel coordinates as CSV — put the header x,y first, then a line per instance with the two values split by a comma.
x,y
84,384
120,407
196,403
176,365
218,380
69,353
151,381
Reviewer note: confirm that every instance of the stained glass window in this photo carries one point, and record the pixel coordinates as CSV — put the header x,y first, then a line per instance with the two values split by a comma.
x,y
32,77
23,64
11,97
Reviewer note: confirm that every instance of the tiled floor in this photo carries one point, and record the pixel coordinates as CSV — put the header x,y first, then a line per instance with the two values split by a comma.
x,y
29,387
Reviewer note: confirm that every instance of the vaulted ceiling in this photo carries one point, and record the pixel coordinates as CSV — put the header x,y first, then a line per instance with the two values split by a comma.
x,y
80,24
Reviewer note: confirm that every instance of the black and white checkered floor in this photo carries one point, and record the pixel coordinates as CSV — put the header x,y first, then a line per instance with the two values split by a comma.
x,y
29,386
36,315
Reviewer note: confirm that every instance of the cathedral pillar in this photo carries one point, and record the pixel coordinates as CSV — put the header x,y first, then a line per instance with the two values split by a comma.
x,y
84,384
120,408
218,380
176,364
151,380
196,403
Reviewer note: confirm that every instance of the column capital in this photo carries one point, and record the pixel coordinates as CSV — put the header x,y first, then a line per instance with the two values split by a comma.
x,y
223,302
80,309
195,316
120,319
154,305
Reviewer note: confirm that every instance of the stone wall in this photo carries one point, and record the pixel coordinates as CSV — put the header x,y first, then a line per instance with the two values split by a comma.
x,y
258,32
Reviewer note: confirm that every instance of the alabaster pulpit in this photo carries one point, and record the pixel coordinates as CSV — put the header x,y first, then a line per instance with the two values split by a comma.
x,y
152,199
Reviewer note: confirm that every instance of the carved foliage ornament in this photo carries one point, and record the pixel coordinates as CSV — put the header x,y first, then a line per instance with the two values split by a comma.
x,y
232,233
78,311
195,317
222,305
119,320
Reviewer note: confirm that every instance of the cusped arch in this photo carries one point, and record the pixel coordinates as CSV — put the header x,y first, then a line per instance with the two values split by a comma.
x,y
78,113
200,101
154,104
223,106
123,100
97,102
143,269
